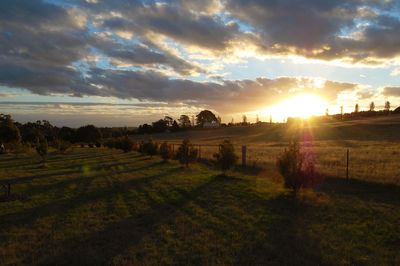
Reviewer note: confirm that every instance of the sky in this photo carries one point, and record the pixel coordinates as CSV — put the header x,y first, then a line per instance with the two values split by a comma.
x,y
124,63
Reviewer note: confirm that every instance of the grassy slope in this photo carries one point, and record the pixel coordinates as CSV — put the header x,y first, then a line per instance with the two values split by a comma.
x,y
385,128
98,206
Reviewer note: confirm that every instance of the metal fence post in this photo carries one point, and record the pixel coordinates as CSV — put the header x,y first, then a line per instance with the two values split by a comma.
x,y
244,156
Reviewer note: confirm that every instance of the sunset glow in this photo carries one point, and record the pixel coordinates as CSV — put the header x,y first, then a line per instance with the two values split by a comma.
x,y
126,63
304,105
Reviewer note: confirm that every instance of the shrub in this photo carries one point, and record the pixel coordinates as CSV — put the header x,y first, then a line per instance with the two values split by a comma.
x,y
298,168
110,143
126,144
98,144
42,147
64,146
226,157
166,151
149,147
186,153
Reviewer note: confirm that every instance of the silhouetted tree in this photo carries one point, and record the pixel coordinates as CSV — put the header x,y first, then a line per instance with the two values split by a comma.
x,y
219,120
66,134
186,153
356,108
149,147
184,121
175,126
298,168
8,131
42,147
145,129
160,126
387,106
205,116
88,134
226,157
341,112
244,120
166,151
168,120
372,106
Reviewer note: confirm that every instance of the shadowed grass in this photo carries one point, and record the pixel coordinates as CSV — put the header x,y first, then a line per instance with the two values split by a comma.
x,y
102,207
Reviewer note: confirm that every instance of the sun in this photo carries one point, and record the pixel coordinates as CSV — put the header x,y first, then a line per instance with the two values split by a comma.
x,y
304,105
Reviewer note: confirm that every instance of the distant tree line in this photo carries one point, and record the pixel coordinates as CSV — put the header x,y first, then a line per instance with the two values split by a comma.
x,y
183,123
361,114
14,135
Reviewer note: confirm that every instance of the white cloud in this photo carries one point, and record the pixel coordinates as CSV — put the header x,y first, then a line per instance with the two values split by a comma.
x,y
395,72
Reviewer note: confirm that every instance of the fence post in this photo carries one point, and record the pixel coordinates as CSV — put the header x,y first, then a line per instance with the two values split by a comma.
x,y
347,166
244,156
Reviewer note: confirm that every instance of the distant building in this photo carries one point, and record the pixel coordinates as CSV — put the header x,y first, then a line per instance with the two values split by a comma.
x,y
210,125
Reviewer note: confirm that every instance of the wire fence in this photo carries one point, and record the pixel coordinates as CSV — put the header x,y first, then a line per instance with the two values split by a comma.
x,y
377,163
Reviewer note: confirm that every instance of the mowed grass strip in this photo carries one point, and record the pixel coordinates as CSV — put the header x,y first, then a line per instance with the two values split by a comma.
x,y
101,206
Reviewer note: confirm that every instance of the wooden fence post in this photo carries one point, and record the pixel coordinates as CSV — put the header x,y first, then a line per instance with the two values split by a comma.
x,y
199,151
347,166
244,156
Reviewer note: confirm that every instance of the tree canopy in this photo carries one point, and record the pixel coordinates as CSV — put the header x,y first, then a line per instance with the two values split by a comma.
x,y
205,116
89,134
8,131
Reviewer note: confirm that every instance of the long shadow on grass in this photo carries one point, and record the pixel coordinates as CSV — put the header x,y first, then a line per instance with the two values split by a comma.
x,y
364,190
62,206
273,218
266,229
118,238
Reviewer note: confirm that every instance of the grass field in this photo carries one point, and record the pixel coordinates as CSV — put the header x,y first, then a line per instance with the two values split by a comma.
x,y
101,206
374,145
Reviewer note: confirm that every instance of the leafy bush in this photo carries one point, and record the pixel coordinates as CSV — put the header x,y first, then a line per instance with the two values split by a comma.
x,y
42,147
226,157
64,146
186,153
60,145
166,151
298,168
126,144
149,147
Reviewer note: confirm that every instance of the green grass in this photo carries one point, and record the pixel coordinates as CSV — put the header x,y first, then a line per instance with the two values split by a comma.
x,y
100,206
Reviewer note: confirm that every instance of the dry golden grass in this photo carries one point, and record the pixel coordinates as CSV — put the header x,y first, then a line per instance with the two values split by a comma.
x,y
374,145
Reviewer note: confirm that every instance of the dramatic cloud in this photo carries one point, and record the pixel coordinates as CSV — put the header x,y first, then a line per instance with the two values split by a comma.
x,y
181,51
349,31
229,96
